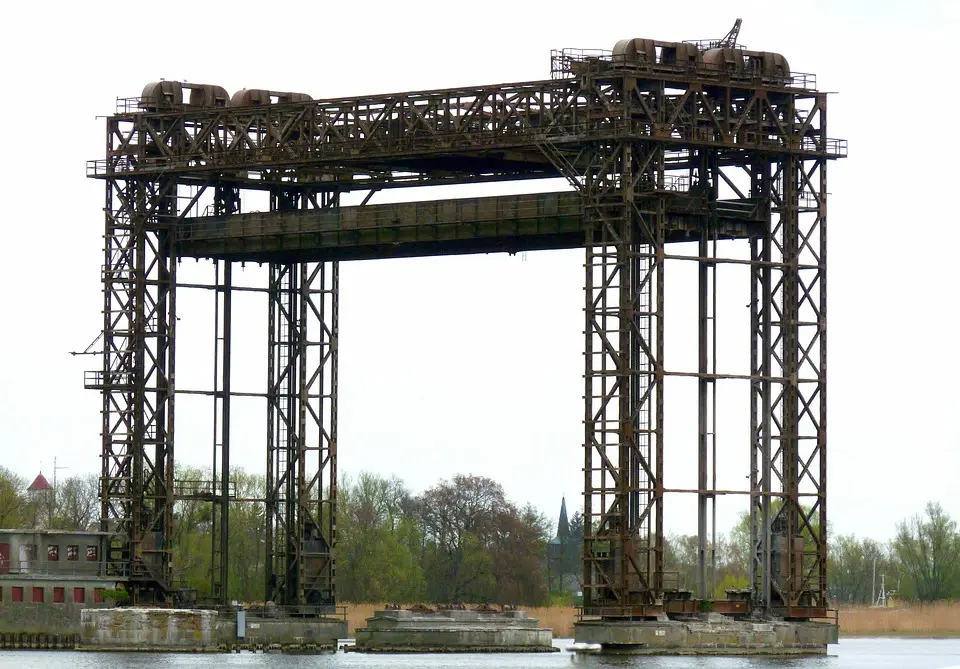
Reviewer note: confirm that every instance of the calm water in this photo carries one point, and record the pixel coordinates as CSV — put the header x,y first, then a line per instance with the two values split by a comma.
x,y
849,654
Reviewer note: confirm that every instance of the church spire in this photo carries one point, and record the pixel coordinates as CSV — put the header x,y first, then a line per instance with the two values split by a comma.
x,y
563,527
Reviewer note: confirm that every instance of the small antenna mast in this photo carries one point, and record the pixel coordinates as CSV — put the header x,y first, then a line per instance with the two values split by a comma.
x,y
730,39
56,468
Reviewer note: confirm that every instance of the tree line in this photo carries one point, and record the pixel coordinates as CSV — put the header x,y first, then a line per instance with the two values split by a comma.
x,y
458,541
920,563
73,505
462,540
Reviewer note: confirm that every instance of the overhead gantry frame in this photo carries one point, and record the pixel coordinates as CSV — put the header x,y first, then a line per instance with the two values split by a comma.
x,y
654,155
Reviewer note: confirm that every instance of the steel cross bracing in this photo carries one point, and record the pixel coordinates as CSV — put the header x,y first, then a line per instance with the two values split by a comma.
x,y
136,382
621,185
301,417
636,147
789,397
344,140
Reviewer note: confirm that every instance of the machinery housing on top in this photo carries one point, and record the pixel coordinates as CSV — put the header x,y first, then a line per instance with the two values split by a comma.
x,y
703,58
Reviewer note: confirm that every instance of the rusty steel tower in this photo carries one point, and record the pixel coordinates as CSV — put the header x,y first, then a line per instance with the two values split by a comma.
x,y
660,142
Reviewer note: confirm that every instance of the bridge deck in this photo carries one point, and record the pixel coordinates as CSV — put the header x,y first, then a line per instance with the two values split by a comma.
x,y
509,223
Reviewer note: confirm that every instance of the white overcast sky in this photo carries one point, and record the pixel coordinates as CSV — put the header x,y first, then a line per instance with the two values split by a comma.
x,y
473,364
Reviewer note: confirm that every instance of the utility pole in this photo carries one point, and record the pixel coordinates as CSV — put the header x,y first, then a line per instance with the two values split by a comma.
x,y
53,493
55,469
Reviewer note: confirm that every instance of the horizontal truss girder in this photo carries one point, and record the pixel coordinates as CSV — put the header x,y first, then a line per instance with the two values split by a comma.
x,y
492,126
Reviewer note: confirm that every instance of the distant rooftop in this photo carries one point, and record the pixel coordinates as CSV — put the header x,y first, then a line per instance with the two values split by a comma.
x,y
40,483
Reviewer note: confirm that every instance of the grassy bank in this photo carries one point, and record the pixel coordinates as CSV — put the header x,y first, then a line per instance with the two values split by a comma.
x,y
931,620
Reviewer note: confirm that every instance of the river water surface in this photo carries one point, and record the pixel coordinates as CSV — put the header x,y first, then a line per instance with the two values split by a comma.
x,y
848,654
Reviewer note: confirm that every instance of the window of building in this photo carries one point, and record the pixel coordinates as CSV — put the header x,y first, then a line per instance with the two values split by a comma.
x,y
53,553
38,595
4,558
73,552
79,596
58,595
98,595
16,593
91,553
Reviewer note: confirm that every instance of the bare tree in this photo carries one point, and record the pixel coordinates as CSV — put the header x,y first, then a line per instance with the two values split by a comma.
x,y
77,503
479,546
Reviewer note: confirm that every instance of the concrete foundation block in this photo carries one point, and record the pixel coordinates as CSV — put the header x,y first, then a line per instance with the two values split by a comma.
x,y
293,634
457,631
709,637
195,630
149,629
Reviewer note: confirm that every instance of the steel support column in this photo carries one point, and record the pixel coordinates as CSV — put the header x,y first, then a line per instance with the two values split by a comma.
x,y
226,202
137,383
301,418
788,403
623,554
704,178
220,482
282,380
761,422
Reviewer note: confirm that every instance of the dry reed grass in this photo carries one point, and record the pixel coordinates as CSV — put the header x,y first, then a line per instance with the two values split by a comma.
x,y
358,613
558,618
941,619
932,620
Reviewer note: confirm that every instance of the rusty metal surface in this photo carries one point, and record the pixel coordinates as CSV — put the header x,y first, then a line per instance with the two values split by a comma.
x,y
509,223
655,152
469,122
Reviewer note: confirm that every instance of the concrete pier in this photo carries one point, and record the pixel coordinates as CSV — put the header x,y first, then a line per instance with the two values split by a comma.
x,y
288,634
196,630
712,635
149,629
452,631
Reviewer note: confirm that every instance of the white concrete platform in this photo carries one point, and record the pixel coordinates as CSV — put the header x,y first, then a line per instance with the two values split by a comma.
x,y
452,631
714,635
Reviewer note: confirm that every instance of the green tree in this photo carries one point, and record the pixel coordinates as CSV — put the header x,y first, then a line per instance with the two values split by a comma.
x,y
850,569
573,555
378,543
246,576
740,552
192,533
13,499
928,549
680,561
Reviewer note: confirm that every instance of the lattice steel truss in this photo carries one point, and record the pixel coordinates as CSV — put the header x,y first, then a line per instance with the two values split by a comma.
x,y
657,153
789,386
301,440
136,380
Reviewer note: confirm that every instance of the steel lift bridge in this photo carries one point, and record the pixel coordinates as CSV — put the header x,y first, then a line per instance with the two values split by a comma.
x,y
660,142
